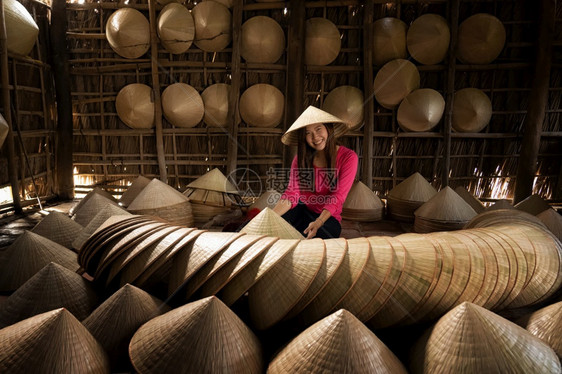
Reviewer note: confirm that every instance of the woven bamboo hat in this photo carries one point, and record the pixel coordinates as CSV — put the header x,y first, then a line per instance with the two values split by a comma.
x,y
135,106
182,105
269,223
545,324
51,287
533,204
394,81
346,102
472,339
87,211
446,206
267,199
51,342
214,180
213,26
21,29
421,110
339,343
362,204
481,39
472,200
389,38
262,40
322,41
277,292
59,228
95,191
102,216
472,110
133,190
4,128
202,336
27,255
216,101
176,28
428,39
553,221
413,188
128,33
262,105
115,321
312,116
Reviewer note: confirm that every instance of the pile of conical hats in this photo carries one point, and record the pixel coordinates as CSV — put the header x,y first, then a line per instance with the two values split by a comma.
x,y
472,200
362,204
102,216
407,196
133,190
59,228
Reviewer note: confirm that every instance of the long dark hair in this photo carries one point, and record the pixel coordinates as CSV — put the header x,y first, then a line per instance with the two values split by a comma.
x,y
305,154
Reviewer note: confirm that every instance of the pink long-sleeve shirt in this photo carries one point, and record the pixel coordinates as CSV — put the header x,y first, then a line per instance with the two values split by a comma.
x,y
332,186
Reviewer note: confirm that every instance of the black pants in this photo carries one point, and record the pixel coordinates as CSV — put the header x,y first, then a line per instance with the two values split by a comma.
x,y
300,217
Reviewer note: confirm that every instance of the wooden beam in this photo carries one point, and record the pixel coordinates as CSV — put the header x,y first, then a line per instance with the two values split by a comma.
x,y
369,110
538,99
233,100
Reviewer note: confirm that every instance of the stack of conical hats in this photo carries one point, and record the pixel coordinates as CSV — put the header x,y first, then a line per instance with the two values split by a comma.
x,y
133,190
408,196
322,41
496,216
362,204
269,223
203,336
553,221
59,228
211,194
443,212
97,221
473,339
51,342
545,324
85,212
339,343
161,200
95,191
175,27
534,204
472,200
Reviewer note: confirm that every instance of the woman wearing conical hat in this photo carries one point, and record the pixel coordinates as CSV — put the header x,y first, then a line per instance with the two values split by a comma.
x,y
321,176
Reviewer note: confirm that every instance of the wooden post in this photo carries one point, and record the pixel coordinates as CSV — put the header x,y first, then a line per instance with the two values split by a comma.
x,y
369,110
538,99
12,171
233,100
295,68
156,92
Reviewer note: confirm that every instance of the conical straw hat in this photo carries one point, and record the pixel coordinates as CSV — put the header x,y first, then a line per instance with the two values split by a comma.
x,y
135,106
546,324
4,128
182,105
156,194
472,339
27,255
51,342
101,217
389,40
133,190
470,199
262,40
268,199
21,29
362,199
500,205
95,191
59,228
553,221
446,206
87,211
394,81
339,343
346,102
115,321
322,43
312,116
202,336
269,223
128,33
533,204
421,110
472,110
413,188
481,39
428,39
262,105
216,101
277,292
176,28
51,287
213,26
214,180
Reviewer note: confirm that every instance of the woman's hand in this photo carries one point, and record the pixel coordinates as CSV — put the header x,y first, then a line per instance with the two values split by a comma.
x,y
313,228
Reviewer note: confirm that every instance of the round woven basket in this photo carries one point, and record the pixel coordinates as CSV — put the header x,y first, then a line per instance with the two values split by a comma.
x,y
176,28
213,26
128,33
421,110
428,39
472,110
394,81
21,29
262,40
389,37
322,41
481,39
182,105
135,106
262,105
346,102
216,102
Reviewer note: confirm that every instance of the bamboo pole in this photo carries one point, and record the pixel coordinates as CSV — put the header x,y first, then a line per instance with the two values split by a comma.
x,y
538,101
12,172
63,164
233,100
156,91
369,126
